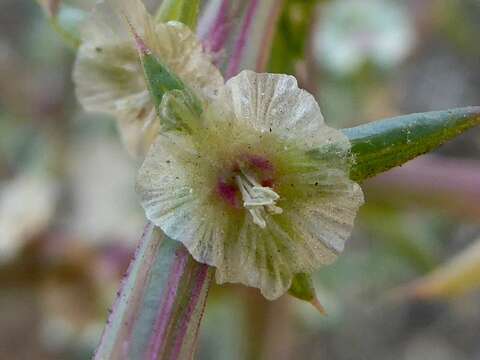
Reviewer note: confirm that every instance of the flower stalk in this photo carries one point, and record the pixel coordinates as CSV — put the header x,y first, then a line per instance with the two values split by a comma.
x,y
160,304
240,33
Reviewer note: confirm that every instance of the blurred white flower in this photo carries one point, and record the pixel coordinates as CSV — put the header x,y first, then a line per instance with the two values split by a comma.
x,y
109,77
351,33
27,204
103,199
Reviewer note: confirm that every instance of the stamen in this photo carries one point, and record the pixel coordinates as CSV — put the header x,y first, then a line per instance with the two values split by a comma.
x,y
257,198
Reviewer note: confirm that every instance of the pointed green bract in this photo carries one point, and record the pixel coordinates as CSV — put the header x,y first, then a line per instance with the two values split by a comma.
x,y
384,144
159,78
302,287
185,11
175,103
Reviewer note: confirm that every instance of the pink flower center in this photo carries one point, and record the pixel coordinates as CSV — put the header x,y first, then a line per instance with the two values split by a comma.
x,y
228,192
249,184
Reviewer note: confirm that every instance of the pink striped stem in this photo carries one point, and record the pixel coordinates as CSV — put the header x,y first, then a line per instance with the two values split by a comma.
x,y
162,322
218,31
160,305
239,33
240,44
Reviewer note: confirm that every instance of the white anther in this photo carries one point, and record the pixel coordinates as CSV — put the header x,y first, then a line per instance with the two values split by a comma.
x,y
257,199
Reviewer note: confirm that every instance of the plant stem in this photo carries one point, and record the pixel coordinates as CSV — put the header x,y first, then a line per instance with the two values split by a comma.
x,y
159,307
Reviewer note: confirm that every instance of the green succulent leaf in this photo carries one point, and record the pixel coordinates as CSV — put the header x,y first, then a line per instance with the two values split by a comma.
x,y
384,144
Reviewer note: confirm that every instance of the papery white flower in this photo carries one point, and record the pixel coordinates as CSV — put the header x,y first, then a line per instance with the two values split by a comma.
x,y
259,188
109,76
102,209
352,32
27,205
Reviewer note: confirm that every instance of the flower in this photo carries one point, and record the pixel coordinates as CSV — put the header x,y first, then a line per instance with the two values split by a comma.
x,y
27,207
109,77
352,32
258,187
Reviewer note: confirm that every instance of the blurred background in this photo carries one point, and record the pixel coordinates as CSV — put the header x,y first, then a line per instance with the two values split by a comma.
x,y
69,217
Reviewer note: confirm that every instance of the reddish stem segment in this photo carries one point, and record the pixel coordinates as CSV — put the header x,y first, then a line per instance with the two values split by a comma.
x,y
159,307
239,48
